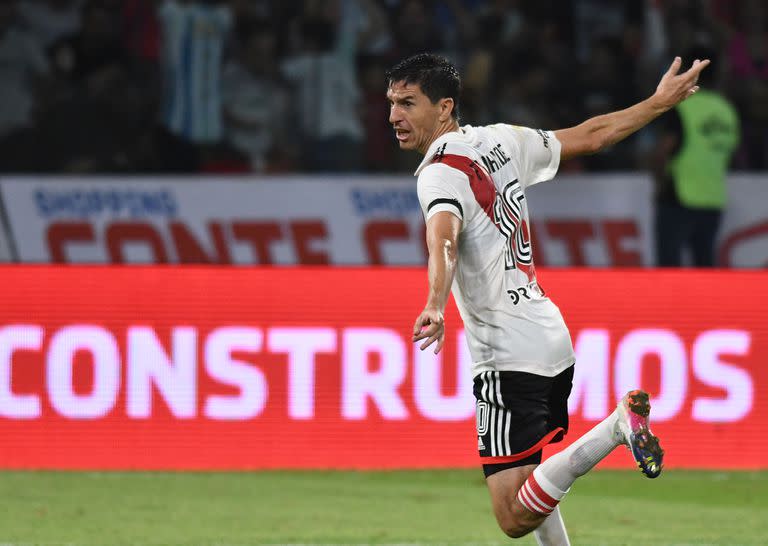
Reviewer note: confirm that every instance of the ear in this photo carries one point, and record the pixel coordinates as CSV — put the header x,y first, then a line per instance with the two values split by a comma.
x,y
446,109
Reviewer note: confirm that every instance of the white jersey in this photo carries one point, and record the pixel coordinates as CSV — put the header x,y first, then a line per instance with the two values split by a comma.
x,y
193,45
480,175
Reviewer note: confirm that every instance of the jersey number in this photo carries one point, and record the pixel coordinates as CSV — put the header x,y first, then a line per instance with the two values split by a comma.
x,y
508,215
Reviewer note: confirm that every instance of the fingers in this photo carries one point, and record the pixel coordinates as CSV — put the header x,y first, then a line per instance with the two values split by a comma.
x,y
694,71
698,66
420,323
692,74
440,343
421,334
674,68
429,327
425,332
675,87
425,328
437,336
428,342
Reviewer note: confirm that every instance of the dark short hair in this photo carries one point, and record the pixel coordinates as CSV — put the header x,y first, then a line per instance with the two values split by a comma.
x,y
435,75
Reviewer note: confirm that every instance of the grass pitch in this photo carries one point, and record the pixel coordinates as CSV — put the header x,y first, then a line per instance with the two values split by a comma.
x,y
410,507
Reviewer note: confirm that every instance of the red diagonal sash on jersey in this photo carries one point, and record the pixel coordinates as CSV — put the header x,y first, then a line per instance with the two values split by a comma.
x,y
479,180
485,194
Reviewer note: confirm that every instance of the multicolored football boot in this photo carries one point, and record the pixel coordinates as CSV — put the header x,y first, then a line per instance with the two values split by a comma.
x,y
633,430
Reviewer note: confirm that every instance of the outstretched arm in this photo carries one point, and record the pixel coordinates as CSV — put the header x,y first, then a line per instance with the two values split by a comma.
x,y
602,131
442,235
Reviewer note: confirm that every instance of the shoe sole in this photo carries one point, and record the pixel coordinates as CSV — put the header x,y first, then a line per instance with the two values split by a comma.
x,y
643,444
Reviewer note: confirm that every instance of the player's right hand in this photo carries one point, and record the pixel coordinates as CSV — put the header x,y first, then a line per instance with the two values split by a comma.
x,y
430,327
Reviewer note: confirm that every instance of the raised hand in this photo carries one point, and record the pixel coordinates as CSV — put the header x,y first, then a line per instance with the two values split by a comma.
x,y
675,87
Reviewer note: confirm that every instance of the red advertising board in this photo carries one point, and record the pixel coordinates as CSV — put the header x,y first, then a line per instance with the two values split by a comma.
x,y
248,368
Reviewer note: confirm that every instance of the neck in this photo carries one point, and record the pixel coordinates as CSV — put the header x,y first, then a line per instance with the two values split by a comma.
x,y
446,127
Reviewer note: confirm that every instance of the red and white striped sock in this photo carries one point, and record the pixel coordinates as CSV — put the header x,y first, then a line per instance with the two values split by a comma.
x,y
538,494
552,479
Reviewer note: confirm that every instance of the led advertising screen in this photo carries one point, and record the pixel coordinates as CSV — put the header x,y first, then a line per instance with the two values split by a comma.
x,y
164,367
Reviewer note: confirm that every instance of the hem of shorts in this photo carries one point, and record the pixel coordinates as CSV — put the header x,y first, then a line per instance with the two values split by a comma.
x,y
547,439
523,366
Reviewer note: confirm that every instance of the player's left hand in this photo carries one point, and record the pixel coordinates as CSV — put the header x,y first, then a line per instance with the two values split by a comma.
x,y
430,327
676,86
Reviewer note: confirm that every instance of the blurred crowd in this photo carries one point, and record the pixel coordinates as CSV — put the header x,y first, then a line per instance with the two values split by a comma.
x,y
275,86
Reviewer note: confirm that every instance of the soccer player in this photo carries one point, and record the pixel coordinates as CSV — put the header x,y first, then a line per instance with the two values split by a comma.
x,y
471,186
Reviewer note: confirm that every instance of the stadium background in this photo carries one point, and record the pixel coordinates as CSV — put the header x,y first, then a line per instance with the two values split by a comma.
x,y
260,140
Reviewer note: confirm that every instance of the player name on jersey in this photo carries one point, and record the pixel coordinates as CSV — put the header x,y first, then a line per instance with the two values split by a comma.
x,y
495,160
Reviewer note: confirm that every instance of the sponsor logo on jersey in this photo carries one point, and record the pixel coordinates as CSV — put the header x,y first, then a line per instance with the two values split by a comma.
x,y
544,137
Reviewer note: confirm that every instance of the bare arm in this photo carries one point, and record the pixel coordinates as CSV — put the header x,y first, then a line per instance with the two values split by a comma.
x,y
442,235
602,131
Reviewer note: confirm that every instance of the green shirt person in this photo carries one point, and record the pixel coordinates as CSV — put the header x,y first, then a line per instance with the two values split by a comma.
x,y
700,138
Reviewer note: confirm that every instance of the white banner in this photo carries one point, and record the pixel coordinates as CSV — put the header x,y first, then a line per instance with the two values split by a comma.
x,y
604,220
6,250
743,238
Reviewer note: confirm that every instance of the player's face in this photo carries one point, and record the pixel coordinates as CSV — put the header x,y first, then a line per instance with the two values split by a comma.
x,y
413,116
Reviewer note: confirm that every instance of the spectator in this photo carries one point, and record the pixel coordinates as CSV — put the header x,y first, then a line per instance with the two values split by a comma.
x,y
141,30
255,101
140,62
93,55
748,79
415,29
327,93
379,144
597,19
503,24
690,171
48,20
363,28
456,21
141,40
194,33
23,73
23,69
606,85
94,121
655,50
